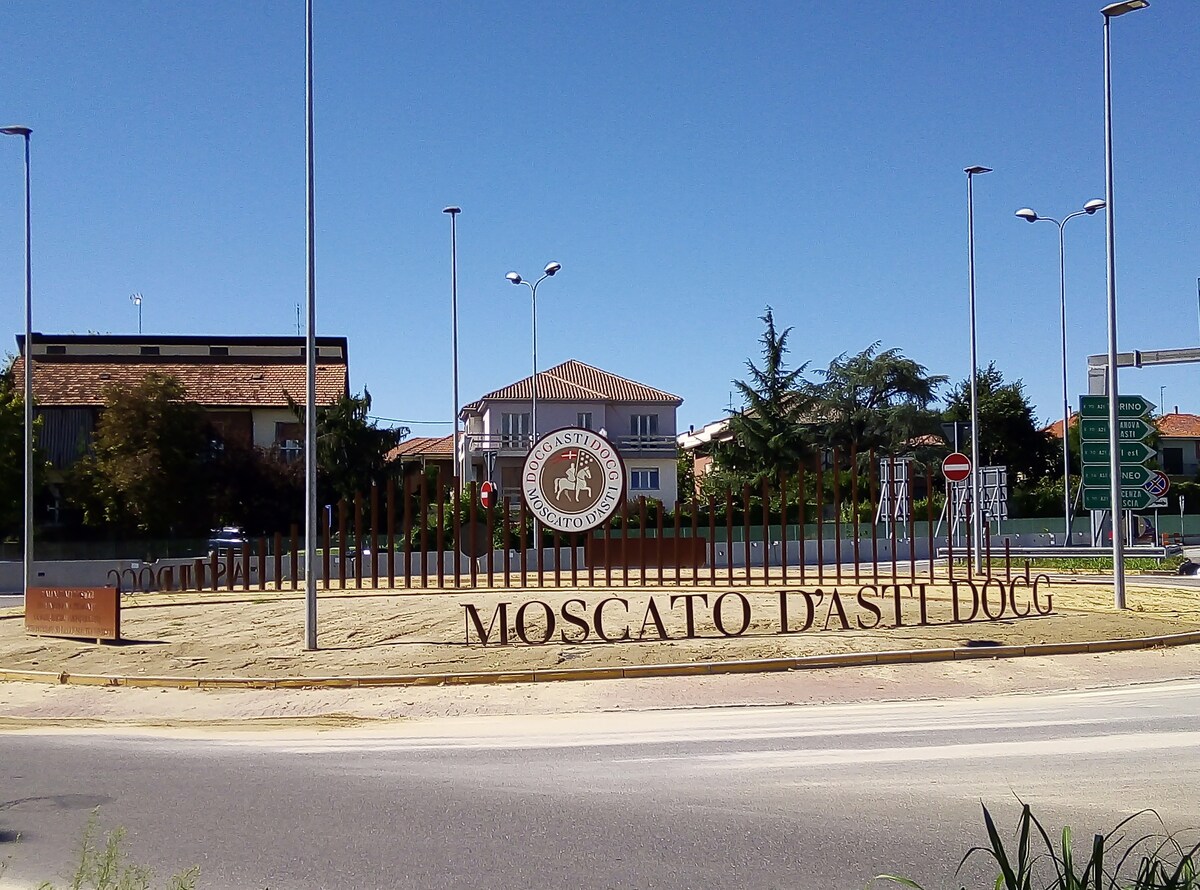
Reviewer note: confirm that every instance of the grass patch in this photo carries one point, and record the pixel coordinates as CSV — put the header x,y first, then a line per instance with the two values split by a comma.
x,y
1153,861
1086,565
102,865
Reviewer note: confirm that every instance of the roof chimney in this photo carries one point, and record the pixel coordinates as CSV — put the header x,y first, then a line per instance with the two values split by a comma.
x,y
1176,409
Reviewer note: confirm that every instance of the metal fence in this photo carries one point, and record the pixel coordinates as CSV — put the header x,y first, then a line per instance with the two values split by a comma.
x,y
815,526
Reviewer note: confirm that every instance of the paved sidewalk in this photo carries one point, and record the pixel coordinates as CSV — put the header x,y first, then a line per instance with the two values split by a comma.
x,y
31,705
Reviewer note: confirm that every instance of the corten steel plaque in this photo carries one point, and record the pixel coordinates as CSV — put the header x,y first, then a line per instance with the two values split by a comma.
x,y
92,613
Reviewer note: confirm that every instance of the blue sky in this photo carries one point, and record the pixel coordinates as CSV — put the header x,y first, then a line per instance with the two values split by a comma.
x,y
687,164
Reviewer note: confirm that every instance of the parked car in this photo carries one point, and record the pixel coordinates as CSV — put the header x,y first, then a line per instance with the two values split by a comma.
x,y
227,537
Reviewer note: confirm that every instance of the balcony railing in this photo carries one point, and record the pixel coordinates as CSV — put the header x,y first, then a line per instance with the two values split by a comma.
x,y
520,443
502,443
646,443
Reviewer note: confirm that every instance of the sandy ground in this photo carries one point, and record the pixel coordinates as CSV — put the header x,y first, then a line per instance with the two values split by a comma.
x,y
376,632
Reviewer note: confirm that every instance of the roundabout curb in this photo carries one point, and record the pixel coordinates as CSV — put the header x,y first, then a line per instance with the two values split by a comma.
x,y
691,669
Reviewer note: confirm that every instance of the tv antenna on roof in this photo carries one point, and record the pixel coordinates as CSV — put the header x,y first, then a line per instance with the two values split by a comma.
x,y
298,320
136,299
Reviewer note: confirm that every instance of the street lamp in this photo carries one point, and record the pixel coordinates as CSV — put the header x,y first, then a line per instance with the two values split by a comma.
x,y
972,172
136,300
1028,215
27,447
1114,443
310,354
454,212
513,278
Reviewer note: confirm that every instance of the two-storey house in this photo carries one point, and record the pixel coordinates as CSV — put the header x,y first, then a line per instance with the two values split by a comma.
x,y
638,419
243,383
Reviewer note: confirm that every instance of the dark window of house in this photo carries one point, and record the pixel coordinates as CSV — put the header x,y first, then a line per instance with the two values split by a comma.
x,y
149,350
1173,461
218,350
56,350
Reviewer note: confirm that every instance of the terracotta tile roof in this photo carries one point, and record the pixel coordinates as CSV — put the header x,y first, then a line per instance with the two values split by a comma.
x,y
573,381
433,447
1055,429
1179,426
250,382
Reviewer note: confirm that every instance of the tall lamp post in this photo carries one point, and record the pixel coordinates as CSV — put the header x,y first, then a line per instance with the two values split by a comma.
x,y
454,212
513,278
310,356
972,172
136,300
1110,12
1027,214
27,548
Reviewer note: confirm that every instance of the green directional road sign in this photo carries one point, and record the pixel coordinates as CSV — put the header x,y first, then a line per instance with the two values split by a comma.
x,y
1131,429
1127,406
1131,452
1131,499
1132,475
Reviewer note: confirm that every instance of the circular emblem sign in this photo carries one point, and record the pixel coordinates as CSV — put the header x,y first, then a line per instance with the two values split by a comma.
x,y
573,480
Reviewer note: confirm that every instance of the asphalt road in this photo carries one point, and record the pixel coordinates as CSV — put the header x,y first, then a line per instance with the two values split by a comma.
x,y
790,797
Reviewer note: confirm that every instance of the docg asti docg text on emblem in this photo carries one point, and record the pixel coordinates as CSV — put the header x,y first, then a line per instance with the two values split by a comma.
x,y
573,480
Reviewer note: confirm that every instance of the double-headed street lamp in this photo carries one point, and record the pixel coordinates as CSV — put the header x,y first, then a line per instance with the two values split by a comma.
x,y
976,525
513,278
1110,12
27,549
1027,214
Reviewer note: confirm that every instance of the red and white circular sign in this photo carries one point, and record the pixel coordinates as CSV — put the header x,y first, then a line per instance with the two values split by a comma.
x,y
487,494
956,467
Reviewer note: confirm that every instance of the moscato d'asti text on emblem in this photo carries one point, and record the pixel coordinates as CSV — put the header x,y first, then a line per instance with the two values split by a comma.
x,y
573,480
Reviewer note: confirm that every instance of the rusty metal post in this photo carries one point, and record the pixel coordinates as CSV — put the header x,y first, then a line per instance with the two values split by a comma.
x,y
854,505
506,537
423,517
441,534
712,541
802,531
491,544
872,472
327,555
728,536
262,563
820,519
374,536
766,531
746,532
343,522
294,556
522,519
472,531
837,514
277,547
675,546
390,497
929,519
892,519
358,540
783,527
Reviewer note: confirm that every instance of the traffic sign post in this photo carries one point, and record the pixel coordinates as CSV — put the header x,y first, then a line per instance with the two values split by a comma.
x,y
1127,406
1129,429
1131,452
956,467
1131,499
1132,475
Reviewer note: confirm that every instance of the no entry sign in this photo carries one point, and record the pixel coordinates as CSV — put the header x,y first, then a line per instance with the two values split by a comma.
x,y
956,467
487,494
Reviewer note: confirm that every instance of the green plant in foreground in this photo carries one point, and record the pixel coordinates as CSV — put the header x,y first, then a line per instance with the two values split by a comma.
x,y
1151,862
102,865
